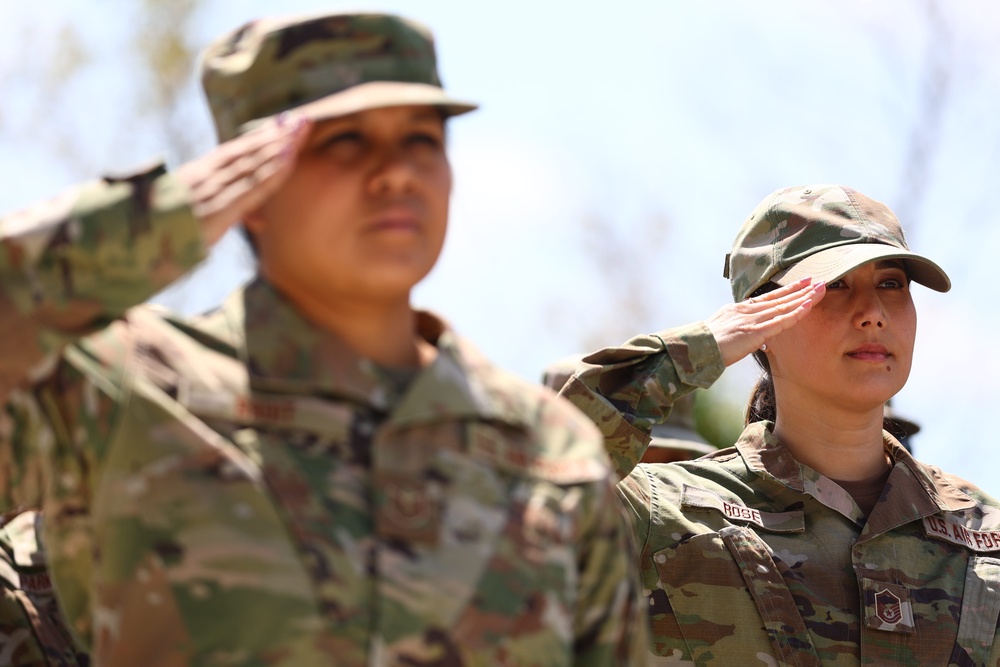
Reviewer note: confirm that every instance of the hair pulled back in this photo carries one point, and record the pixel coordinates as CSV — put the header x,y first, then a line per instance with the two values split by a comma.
x,y
762,406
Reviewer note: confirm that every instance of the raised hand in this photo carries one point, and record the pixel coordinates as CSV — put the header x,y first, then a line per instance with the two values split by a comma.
x,y
238,176
741,328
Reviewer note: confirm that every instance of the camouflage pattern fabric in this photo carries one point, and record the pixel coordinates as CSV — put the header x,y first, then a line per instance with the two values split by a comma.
x,y
751,558
626,390
322,66
819,232
72,264
242,489
33,632
676,439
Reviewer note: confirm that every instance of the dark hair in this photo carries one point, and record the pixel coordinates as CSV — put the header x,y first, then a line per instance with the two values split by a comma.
x,y
761,406
249,239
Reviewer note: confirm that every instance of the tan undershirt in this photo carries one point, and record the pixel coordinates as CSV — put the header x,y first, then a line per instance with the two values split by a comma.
x,y
867,492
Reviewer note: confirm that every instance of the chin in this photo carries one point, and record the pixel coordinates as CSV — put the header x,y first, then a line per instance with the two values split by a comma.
x,y
388,285
870,397
397,272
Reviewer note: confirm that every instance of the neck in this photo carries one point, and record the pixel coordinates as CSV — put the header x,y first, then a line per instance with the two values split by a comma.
x,y
842,444
383,331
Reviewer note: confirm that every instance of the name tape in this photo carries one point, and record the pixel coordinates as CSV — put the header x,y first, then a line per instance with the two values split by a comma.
x,y
300,412
778,521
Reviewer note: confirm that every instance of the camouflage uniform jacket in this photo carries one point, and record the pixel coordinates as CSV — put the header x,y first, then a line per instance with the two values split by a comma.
x,y
749,557
242,489
33,631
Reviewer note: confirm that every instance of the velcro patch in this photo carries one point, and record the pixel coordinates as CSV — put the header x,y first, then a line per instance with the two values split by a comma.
x,y
887,606
952,529
782,522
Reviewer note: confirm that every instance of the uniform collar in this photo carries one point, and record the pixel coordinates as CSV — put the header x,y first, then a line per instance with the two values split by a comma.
x,y
285,353
919,490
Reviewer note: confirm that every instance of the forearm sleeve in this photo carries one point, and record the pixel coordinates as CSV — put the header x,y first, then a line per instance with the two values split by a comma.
x,y
73,263
627,389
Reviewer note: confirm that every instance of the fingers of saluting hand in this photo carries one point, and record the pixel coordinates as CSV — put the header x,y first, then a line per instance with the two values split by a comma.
x,y
241,174
741,328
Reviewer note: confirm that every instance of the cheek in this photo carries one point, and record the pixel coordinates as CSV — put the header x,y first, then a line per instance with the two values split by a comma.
x,y
908,334
439,187
799,352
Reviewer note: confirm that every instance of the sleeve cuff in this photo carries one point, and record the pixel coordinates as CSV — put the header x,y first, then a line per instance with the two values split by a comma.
x,y
695,354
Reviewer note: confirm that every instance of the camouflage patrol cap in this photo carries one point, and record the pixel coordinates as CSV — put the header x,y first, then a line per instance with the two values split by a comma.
x,y
321,66
823,232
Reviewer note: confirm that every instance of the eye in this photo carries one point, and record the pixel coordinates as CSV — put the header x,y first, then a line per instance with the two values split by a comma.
x,y
836,284
892,283
345,138
425,138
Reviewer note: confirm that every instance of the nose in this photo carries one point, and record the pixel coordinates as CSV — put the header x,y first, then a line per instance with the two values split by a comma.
x,y
868,311
393,173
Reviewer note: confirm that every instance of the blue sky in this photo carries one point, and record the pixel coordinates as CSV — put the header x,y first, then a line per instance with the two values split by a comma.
x,y
667,121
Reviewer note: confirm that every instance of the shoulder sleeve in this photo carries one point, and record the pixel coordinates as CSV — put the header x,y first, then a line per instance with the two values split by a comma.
x,y
52,428
72,264
627,389
611,626
21,473
52,455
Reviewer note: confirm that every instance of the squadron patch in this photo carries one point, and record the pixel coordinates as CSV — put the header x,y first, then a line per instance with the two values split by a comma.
x,y
951,529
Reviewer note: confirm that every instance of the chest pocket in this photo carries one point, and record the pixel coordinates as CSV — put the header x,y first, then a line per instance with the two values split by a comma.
x,y
977,628
731,602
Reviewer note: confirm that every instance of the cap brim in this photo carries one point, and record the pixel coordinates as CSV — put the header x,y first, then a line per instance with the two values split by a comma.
x,y
831,264
376,95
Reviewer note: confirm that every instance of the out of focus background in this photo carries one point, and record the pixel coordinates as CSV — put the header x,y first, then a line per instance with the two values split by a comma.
x,y
618,148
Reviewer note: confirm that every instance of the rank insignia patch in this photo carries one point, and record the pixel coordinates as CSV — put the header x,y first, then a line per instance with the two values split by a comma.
x,y
887,606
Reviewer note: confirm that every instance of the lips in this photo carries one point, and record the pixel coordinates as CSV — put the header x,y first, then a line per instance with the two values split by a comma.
x,y
870,352
396,218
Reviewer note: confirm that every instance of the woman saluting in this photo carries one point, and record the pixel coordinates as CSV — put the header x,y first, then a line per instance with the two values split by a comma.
x,y
315,474
816,539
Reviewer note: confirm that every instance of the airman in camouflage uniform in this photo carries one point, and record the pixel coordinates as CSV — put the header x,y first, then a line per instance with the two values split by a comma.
x,y
751,557
244,488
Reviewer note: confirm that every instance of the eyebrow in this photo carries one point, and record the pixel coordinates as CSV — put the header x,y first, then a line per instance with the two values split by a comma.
x,y
429,113
890,264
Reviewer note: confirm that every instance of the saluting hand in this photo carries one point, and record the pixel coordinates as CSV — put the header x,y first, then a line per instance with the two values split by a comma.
x,y
741,328
238,176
